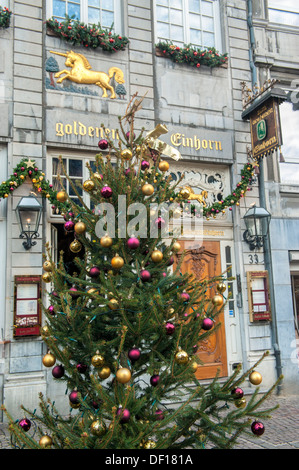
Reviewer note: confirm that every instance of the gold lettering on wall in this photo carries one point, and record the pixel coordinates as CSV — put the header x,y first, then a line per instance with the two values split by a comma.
x,y
181,140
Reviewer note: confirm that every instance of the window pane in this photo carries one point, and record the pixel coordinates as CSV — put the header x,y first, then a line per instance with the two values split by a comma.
x,y
107,5
194,21
208,39
176,4
93,3
93,15
163,2
287,5
195,37
74,10
162,14
59,8
79,190
75,167
176,17
177,32
207,8
207,23
107,19
163,30
194,6
283,17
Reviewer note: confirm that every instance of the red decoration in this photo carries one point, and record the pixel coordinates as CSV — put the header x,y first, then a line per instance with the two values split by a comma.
x,y
257,428
103,144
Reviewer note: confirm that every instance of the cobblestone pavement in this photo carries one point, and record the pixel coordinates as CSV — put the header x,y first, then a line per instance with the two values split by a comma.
x,y
281,431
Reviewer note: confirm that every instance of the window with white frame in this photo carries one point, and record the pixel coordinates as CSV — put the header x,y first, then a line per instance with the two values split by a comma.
x,y
289,118
105,12
195,22
286,12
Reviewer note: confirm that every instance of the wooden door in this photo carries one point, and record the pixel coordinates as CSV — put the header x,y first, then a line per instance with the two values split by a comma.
x,y
204,262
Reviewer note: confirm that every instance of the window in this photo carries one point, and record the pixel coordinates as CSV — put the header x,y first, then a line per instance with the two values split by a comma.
x,y
289,117
286,12
87,11
194,22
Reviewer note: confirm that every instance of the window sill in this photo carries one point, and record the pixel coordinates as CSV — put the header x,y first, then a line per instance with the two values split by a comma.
x,y
159,53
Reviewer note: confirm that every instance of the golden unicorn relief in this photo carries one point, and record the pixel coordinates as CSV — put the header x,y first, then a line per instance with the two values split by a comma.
x,y
188,193
80,73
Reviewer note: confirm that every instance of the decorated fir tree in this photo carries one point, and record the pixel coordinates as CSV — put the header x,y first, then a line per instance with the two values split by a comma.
x,y
123,326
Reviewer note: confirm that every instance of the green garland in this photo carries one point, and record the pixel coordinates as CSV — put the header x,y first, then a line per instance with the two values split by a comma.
x,y
191,55
93,36
5,15
27,168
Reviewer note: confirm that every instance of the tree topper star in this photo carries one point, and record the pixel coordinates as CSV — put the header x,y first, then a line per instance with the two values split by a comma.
x,y
30,163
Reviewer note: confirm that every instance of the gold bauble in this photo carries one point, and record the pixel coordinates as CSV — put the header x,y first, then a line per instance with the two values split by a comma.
x,y
75,246
126,154
157,256
47,266
61,196
88,185
97,176
98,428
185,193
217,300
194,366
123,375
106,241
176,247
113,304
49,360
163,166
149,444
45,331
221,287
45,441
170,311
80,228
93,291
148,189
117,262
104,373
255,378
177,213
97,360
181,357
240,402
47,277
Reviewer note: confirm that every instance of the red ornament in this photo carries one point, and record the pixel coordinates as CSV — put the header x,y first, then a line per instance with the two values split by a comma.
x,y
257,428
133,243
207,324
69,226
103,144
159,415
145,165
169,328
125,415
134,354
185,296
73,291
51,310
25,424
154,380
81,368
159,222
237,392
74,397
94,271
106,192
58,372
145,275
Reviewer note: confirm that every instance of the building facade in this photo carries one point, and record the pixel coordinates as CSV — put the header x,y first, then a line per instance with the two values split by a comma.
x,y
44,116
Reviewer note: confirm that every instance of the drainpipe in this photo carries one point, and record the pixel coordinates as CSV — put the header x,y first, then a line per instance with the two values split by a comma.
x,y
262,197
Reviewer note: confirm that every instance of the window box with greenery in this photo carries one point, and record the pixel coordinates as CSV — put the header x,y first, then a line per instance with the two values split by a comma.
x,y
5,15
191,55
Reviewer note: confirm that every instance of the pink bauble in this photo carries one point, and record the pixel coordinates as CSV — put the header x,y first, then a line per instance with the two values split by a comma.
x,y
170,261
159,415
125,415
94,271
129,171
133,243
237,392
169,328
207,324
257,428
58,371
81,368
145,275
51,310
69,226
103,144
154,380
54,293
134,354
185,296
128,135
106,192
74,397
25,424
160,222
73,291
145,165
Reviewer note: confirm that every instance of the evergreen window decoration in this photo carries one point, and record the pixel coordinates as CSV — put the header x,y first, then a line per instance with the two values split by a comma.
x,y
5,15
81,34
190,55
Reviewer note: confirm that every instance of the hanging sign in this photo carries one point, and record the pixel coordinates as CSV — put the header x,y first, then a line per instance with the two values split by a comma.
x,y
258,296
27,317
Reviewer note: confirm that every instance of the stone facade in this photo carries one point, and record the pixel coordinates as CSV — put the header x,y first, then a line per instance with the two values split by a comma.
x,y
203,112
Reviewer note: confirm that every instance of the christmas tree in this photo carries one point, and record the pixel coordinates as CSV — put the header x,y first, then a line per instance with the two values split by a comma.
x,y
124,324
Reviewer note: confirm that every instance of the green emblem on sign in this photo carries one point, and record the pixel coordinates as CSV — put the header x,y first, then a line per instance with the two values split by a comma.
x,y
261,129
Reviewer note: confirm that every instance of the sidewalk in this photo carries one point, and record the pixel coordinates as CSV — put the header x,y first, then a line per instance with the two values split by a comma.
x,y
281,431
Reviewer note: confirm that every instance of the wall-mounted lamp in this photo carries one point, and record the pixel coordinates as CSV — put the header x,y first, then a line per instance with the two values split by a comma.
x,y
28,213
257,220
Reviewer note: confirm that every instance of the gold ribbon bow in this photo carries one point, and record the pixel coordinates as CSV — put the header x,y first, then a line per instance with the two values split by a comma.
x,y
154,143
